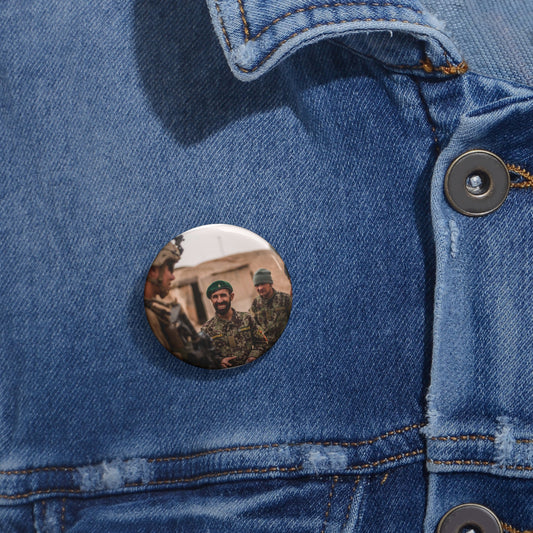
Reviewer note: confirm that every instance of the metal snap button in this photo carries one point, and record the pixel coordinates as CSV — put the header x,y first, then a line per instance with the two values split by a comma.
x,y
477,183
217,296
469,517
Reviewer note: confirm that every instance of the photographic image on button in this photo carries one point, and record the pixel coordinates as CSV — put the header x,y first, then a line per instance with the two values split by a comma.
x,y
218,296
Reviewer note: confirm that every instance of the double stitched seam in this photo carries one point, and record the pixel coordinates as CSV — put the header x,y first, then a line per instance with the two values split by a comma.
x,y
445,70
211,475
293,444
230,449
392,459
527,176
479,463
326,6
328,507
350,503
459,438
426,64
265,470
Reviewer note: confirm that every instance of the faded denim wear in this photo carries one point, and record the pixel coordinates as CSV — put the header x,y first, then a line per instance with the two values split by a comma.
x,y
401,386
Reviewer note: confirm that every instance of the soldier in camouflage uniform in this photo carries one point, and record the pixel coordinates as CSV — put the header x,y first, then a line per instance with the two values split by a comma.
x,y
271,309
236,336
169,321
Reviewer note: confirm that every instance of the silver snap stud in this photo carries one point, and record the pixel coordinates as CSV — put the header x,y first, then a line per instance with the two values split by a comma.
x,y
471,518
477,183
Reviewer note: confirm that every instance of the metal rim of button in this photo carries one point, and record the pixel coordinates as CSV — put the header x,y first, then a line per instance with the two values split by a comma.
x,y
469,515
477,183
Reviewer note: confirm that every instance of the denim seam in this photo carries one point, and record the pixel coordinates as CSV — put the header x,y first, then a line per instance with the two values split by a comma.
x,y
392,459
244,22
424,64
478,463
457,438
384,480
367,442
247,37
328,507
63,512
326,6
429,118
211,475
511,529
223,26
465,437
427,65
528,177
350,502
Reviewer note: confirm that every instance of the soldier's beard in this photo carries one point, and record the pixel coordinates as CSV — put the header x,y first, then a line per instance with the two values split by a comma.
x,y
222,308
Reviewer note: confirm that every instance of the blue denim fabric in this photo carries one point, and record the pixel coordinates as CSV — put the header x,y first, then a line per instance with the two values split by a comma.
x,y
121,126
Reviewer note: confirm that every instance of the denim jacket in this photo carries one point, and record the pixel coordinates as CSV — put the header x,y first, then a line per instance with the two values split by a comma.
x,y
401,386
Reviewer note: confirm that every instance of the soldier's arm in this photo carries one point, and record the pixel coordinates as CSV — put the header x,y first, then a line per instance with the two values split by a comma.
x,y
260,342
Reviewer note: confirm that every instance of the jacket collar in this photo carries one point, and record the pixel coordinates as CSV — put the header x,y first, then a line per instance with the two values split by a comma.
x,y
257,34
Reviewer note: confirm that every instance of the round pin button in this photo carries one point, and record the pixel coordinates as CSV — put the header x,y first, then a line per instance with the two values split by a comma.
x,y
217,296
477,183
469,517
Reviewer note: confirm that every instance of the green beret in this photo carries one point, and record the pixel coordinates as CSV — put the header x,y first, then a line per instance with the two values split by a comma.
x,y
217,285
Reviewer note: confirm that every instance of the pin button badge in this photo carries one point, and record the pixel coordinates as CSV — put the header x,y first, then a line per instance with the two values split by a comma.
x,y
218,296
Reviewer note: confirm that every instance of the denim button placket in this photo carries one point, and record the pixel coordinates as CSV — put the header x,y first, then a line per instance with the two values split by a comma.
x,y
477,183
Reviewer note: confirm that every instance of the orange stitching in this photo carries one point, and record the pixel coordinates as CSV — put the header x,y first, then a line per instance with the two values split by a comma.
x,y
34,492
519,467
512,529
308,443
232,449
63,509
219,474
466,437
478,437
462,462
521,172
386,460
328,508
479,463
327,6
349,508
451,69
385,477
228,44
244,22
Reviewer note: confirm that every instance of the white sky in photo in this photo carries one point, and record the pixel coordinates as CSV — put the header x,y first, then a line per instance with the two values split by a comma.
x,y
215,241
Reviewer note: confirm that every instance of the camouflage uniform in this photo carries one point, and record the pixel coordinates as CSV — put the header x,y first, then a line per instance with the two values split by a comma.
x,y
272,314
158,314
239,337
176,333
